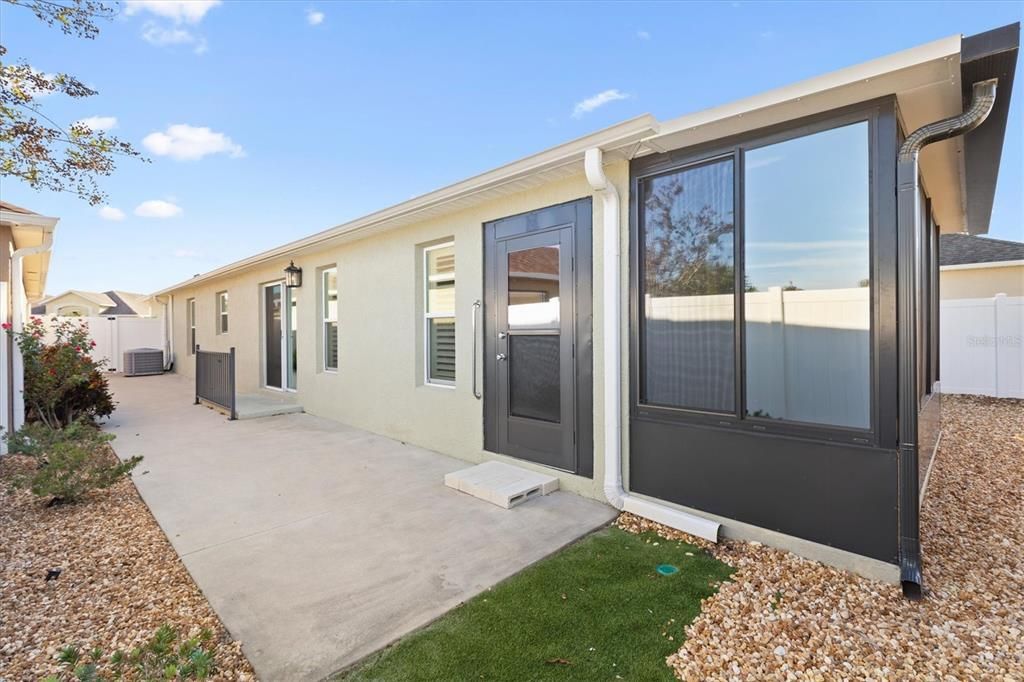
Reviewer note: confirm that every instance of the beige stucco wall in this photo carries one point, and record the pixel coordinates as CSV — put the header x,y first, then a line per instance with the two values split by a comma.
x,y
88,308
982,282
379,384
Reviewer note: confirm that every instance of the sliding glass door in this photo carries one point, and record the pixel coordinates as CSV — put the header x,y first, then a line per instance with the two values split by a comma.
x,y
280,329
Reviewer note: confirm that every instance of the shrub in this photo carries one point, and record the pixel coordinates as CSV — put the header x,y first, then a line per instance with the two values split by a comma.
x,y
69,462
162,657
62,381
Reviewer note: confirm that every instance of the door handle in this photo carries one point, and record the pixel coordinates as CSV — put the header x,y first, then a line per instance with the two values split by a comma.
x,y
476,310
499,356
502,335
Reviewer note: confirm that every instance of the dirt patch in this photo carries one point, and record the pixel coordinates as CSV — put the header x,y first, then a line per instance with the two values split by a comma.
x,y
783,617
119,580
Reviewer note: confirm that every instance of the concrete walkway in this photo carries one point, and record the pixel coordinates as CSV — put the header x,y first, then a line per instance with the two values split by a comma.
x,y
318,543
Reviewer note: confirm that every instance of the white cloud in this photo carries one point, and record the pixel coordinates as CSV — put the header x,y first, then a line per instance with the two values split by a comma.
x,y
598,100
157,208
188,143
185,253
154,34
179,11
314,17
111,213
643,35
98,123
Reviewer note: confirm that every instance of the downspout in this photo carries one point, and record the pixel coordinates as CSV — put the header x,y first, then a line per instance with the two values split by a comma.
x,y
18,310
168,328
614,492
907,227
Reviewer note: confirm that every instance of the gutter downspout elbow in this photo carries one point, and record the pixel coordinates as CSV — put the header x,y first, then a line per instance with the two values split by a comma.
x,y
908,225
18,311
614,492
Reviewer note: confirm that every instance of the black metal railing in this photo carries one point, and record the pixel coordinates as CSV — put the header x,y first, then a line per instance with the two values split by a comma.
x,y
215,379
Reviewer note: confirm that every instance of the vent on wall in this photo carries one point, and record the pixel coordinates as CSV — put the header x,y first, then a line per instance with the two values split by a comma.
x,y
143,361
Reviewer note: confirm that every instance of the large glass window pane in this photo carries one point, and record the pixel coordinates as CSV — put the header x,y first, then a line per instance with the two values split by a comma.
x,y
533,300
807,304
689,288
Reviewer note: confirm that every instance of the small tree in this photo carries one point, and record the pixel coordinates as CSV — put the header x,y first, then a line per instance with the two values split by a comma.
x,y
62,381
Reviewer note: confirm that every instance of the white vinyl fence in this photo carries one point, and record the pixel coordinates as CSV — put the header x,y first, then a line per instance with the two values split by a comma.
x,y
980,346
115,335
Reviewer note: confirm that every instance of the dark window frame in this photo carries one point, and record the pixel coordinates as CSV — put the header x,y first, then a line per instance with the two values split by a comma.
x,y
635,188
882,131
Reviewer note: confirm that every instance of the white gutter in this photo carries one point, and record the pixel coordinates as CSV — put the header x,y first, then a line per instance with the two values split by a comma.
x,y
593,163
19,308
982,266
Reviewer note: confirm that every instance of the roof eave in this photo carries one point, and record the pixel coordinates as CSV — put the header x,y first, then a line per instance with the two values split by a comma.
x,y
992,54
620,139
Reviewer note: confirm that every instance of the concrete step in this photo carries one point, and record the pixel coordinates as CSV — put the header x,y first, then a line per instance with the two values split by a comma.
x,y
502,484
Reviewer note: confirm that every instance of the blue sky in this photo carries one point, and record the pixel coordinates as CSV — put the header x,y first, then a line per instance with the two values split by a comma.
x,y
320,112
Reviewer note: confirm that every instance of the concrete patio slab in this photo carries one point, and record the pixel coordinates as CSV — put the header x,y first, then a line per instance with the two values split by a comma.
x,y
318,543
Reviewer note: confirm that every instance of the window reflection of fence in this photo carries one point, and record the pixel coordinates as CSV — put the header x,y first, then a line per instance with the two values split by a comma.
x,y
808,355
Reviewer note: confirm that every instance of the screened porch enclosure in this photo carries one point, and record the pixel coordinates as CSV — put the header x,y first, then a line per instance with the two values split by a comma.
x,y
763,329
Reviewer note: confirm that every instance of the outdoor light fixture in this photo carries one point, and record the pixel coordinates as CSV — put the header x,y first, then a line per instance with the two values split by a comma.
x,y
293,275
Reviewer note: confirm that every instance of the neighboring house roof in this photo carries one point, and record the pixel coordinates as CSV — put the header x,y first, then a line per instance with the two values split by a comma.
x,y
7,206
963,249
111,302
930,83
125,303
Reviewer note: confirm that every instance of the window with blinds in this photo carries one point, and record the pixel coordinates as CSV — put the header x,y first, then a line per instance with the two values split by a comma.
x,y
329,315
439,313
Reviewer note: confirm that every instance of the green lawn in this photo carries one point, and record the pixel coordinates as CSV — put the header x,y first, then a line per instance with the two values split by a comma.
x,y
597,610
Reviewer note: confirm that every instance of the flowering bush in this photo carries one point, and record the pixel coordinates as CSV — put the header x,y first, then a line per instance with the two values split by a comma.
x,y
62,381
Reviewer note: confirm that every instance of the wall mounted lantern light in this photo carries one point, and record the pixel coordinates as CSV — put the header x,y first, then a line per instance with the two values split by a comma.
x,y
293,275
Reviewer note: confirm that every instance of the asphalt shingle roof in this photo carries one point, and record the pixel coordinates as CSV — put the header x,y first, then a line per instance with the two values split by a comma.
x,y
961,249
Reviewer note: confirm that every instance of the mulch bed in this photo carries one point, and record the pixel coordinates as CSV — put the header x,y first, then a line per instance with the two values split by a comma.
x,y
783,617
120,580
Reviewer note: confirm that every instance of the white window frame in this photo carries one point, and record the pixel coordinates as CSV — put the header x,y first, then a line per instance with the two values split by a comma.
x,y
325,320
428,316
190,316
222,311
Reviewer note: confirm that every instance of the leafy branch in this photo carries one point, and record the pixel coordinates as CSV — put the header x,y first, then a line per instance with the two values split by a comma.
x,y
34,147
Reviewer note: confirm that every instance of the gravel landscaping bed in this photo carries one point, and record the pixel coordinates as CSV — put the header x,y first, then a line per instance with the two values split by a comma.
x,y
782,617
120,580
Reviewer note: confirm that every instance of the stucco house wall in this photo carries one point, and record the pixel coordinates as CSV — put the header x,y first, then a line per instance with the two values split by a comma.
x,y
981,281
379,384
64,304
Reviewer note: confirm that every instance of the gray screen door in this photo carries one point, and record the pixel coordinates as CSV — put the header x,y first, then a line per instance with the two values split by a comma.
x,y
535,408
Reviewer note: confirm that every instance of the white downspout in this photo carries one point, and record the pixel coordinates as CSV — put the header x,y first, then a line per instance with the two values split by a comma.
x,y
18,310
613,490
168,328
